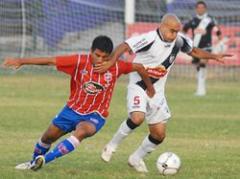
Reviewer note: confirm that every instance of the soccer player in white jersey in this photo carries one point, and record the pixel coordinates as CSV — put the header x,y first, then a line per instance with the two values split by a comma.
x,y
201,27
156,50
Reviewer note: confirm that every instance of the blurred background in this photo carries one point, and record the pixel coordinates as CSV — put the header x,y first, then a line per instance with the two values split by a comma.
x,y
54,27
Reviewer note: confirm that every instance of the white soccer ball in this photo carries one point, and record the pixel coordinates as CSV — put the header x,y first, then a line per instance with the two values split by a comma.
x,y
168,163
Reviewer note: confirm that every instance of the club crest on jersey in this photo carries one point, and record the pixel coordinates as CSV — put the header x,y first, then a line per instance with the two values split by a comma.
x,y
92,87
167,45
108,77
83,72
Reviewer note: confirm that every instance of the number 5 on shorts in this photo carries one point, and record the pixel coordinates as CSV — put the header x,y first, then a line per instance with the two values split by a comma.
x,y
136,100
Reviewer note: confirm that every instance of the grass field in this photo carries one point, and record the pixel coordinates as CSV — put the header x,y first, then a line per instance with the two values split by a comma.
x,y
204,132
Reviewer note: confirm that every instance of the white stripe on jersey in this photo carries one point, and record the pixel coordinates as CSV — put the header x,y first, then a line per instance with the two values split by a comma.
x,y
77,92
79,61
76,71
86,96
117,70
111,88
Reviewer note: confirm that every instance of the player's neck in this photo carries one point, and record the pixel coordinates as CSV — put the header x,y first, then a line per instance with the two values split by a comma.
x,y
202,16
161,36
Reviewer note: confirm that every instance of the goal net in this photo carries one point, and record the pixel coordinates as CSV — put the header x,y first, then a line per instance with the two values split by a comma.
x,y
53,27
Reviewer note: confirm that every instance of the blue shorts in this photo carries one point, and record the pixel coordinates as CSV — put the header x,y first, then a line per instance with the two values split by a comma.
x,y
67,120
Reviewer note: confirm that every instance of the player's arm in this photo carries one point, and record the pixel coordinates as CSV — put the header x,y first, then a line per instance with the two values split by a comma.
x,y
122,48
18,62
202,54
144,75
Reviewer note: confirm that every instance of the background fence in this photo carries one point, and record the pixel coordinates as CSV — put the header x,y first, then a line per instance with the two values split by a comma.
x,y
50,27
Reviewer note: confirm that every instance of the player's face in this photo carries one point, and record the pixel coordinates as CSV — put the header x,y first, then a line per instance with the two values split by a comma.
x,y
201,9
99,56
170,31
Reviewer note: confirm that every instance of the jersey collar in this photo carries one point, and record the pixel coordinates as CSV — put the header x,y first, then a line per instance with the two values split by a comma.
x,y
202,16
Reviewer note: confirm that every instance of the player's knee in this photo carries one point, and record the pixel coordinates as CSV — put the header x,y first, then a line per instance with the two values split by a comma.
x,y
84,131
158,136
137,118
131,124
47,140
80,134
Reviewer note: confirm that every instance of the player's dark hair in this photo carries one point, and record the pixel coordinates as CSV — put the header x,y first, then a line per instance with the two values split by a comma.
x,y
202,3
102,43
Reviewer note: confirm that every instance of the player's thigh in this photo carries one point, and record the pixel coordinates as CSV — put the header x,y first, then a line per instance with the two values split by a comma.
x,y
52,134
84,129
137,100
158,110
158,130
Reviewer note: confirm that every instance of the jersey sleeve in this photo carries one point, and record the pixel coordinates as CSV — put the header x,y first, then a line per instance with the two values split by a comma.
x,y
124,67
137,43
67,64
186,44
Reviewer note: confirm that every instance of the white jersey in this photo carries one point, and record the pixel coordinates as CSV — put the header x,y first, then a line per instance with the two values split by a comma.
x,y
157,56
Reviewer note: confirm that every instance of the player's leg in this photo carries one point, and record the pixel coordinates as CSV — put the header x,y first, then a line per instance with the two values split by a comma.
x,y
50,136
86,126
201,77
149,144
156,117
84,129
43,145
137,102
127,126
54,131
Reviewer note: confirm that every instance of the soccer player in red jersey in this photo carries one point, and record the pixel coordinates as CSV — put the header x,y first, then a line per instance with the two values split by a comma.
x,y
90,96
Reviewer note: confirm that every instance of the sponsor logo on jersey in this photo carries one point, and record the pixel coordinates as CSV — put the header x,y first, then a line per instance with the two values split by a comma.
x,y
92,87
140,44
167,45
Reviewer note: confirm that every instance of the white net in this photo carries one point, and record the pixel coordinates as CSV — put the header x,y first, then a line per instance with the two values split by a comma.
x,y
50,27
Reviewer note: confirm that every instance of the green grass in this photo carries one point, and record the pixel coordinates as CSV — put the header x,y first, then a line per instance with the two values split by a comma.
x,y
204,132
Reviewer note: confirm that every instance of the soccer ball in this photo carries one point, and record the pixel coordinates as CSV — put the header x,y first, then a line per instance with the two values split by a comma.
x,y
168,163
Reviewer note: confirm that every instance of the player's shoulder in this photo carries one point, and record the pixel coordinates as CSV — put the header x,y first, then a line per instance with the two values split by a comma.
x,y
213,19
181,36
183,40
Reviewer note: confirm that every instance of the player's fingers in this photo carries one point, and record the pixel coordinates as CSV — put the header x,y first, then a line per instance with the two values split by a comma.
x,y
98,69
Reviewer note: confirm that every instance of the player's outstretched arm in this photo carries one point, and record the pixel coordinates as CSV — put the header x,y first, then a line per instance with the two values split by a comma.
x,y
144,75
202,54
102,67
16,63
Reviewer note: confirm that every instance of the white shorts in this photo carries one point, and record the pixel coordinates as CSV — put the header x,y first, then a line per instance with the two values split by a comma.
x,y
156,109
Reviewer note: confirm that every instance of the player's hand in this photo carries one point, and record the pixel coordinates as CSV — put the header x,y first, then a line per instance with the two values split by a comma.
x,y
150,92
221,57
103,67
11,63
